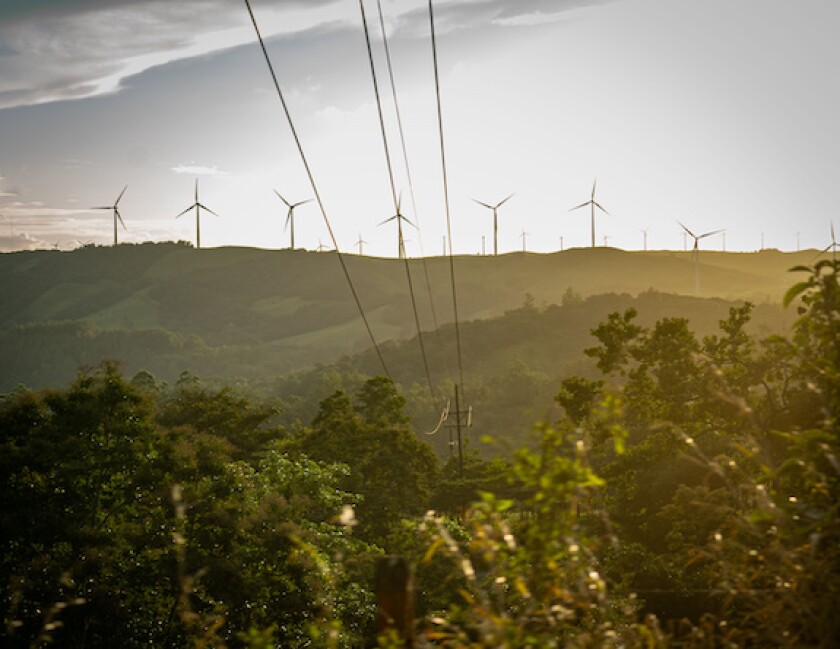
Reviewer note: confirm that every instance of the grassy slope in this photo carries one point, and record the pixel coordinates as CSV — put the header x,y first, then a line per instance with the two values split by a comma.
x,y
263,312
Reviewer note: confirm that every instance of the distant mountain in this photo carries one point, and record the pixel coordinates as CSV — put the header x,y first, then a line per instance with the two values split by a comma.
x,y
252,313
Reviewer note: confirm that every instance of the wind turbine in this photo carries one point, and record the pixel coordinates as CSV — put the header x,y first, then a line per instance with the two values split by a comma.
x,y
361,242
399,218
116,210
198,207
524,237
495,209
644,234
593,204
695,253
290,216
832,246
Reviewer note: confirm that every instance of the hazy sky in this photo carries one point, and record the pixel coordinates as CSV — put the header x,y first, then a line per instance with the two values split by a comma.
x,y
719,113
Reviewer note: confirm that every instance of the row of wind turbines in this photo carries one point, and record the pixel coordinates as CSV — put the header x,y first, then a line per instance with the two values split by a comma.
x,y
400,218
197,206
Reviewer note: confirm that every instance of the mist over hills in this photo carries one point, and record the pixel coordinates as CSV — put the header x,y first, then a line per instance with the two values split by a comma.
x,y
232,313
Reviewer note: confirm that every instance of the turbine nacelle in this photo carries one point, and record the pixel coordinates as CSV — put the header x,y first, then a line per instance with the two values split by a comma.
x,y
197,206
116,211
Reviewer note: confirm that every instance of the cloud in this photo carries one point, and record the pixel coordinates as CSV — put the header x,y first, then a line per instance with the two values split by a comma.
x,y
21,241
467,14
54,50
199,170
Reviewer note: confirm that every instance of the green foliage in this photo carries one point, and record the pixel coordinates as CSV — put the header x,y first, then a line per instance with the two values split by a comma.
x,y
530,572
614,335
83,515
698,475
730,480
390,468
577,396
256,540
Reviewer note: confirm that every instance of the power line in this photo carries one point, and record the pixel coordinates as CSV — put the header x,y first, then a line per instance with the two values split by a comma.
x,y
408,169
315,189
396,200
446,200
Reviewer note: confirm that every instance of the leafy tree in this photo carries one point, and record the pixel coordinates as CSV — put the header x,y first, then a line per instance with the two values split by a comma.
x,y
577,395
390,468
83,515
729,483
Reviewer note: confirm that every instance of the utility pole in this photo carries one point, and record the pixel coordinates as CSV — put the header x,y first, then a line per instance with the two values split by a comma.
x,y
463,419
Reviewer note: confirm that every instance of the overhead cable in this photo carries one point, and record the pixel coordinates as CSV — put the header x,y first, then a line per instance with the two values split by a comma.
x,y
395,199
315,190
446,201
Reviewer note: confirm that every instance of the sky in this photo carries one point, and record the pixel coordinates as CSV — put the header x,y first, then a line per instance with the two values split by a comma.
x,y
714,113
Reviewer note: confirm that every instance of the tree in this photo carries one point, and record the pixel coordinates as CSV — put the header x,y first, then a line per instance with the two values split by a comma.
x,y
392,470
730,481
83,516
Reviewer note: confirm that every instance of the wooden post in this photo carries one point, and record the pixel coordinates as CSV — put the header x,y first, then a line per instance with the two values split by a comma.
x,y
395,598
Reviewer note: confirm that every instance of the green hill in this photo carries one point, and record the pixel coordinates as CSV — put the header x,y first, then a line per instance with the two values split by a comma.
x,y
513,364
252,313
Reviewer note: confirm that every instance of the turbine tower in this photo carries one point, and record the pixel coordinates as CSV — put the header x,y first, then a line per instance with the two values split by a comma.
x,y
695,253
116,210
360,242
399,218
524,237
832,246
198,207
495,209
645,236
290,216
593,204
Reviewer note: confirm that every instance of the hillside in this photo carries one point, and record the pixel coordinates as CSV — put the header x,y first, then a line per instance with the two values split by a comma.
x,y
513,364
242,312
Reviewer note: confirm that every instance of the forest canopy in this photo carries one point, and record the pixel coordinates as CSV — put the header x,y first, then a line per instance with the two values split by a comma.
x,y
686,495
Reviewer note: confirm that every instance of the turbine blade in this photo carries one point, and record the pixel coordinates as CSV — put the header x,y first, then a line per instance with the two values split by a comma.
x,y
594,183
102,207
282,199
288,219
833,240
708,234
598,205
386,221
489,207
187,210
499,204
687,230
407,221
299,203
581,205
207,209
119,217
117,202
196,190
